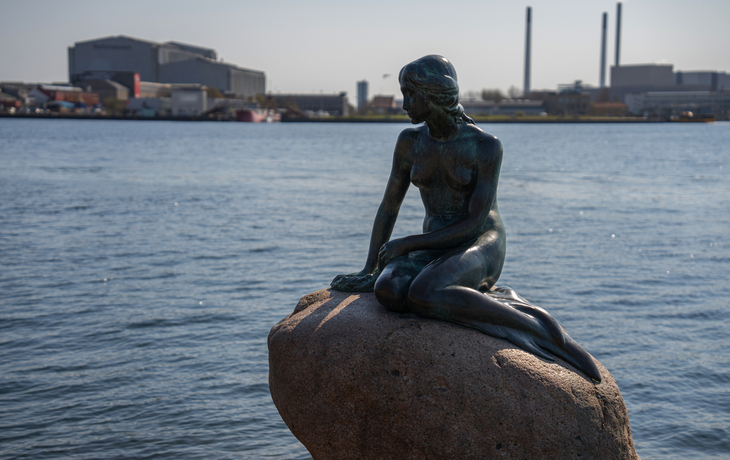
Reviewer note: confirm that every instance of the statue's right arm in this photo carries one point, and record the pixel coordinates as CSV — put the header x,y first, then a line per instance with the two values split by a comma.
x,y
385,218
395,192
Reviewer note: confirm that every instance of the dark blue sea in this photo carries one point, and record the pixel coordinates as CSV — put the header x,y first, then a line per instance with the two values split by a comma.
x,y
144,263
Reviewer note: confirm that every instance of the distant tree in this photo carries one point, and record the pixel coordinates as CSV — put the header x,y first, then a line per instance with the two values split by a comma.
x,y
289,104
351,109
266,102
514,92
114,105
495,95
214,93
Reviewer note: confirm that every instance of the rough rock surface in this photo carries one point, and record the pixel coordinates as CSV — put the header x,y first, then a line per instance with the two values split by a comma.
x,y
354,381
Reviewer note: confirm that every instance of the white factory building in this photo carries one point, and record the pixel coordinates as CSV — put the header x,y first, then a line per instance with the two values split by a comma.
x,y
656,89
169,62
676,102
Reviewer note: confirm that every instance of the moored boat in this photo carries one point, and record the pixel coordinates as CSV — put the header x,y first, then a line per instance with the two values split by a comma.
x,y
257,115
691,117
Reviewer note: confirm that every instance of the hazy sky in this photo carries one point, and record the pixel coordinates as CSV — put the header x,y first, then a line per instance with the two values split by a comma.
x,y
328,45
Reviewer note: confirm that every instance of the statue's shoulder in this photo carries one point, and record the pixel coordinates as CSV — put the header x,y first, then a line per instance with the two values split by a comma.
x,y
488,143
408,137
411,133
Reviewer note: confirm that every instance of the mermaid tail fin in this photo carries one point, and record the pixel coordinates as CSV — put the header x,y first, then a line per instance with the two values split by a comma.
x,y
575,355
521,339
560,345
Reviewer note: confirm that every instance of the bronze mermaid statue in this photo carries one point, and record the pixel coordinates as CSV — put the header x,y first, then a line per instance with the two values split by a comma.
x,y
449,271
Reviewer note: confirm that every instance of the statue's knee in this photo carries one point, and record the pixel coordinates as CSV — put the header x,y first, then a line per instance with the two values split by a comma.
x,y
421,298
390,295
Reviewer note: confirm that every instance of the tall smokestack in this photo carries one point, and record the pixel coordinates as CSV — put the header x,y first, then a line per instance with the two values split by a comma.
x,y
526,88
618,32
603,51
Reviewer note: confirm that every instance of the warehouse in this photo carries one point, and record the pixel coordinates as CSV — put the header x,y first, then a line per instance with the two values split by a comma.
x,y
214,74
334,104
170,62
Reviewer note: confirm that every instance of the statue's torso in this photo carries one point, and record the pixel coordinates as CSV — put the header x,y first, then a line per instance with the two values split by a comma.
x,y
446,173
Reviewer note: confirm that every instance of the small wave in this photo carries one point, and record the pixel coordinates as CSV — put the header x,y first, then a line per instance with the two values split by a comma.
x,y
722,260
712,315
256,388
215,257
72,169
159,322
264,249
711,441
161,276
629,302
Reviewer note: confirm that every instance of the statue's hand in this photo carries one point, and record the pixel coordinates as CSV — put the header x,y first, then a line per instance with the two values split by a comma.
x,y
355,282
391,250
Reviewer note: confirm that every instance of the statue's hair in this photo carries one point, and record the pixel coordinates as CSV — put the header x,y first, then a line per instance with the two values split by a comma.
x,y
435,78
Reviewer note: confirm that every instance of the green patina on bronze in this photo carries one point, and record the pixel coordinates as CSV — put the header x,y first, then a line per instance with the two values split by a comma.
x,y
448,272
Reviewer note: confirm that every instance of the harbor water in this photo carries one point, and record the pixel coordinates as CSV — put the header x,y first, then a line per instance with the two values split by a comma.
x,y
144,263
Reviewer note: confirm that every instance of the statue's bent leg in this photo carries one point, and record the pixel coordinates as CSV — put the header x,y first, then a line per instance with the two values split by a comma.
x,y
391,288
448,289
392,285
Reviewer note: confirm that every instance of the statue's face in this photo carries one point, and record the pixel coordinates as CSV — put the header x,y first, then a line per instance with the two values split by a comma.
x,y
415,104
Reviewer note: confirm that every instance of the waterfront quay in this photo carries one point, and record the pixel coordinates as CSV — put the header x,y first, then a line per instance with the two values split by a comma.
x,y
345,119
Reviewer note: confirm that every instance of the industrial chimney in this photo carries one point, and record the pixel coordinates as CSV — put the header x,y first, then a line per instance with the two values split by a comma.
x,y
618,32
603,51
526,88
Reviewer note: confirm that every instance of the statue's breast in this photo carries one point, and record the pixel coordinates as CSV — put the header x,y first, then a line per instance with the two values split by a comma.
x,y
424,175
459,177
436,165
443,169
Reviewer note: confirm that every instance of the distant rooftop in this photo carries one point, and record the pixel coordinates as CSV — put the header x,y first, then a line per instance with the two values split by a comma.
x,y
127,37
651,64
207,52
59,88
203,51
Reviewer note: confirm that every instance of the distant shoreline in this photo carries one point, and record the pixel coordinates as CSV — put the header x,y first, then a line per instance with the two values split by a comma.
x,y
353,119
483,120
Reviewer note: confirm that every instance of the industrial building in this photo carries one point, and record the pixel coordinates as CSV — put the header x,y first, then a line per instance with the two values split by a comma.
x,y
642,78
655,89
44,94
170,62
9,103
510,107
515,107
332,104
639,78
106,89
641,89
668,103
130,80
476,107
610,109
642,75
189,101
713,80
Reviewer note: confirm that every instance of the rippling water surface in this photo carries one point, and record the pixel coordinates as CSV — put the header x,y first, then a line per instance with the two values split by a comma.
x,y
143,264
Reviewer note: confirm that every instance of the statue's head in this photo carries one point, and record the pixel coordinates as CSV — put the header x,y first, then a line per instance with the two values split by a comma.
x,y
434,78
